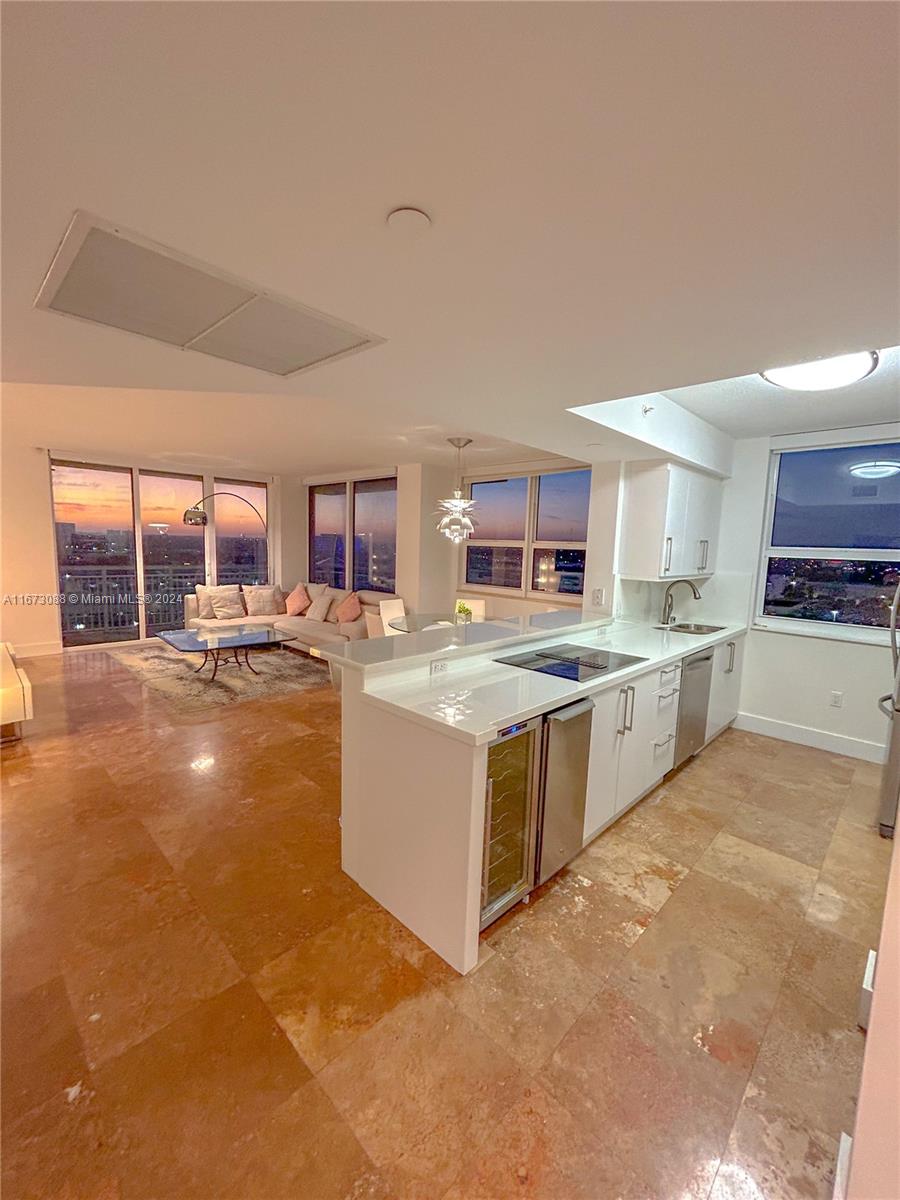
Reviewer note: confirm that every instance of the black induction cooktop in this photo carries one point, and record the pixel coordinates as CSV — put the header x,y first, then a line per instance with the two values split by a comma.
x,y
580,664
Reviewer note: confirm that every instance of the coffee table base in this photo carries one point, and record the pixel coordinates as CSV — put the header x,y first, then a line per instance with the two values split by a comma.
x,y
219,655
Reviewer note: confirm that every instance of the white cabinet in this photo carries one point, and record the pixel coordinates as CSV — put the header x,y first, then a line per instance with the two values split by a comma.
x,y
632,743
725,686
670,522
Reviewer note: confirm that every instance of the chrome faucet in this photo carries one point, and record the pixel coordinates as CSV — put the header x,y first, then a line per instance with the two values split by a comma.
x,y
668,602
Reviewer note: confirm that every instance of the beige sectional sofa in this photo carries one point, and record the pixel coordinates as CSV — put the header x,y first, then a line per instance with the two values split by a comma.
x,y
305,632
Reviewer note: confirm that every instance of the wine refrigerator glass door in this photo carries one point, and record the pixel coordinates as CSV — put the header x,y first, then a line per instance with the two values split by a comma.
x,y
510,820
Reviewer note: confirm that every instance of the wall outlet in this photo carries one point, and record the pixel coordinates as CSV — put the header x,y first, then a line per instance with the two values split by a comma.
x,y
598,597
439,666
837,700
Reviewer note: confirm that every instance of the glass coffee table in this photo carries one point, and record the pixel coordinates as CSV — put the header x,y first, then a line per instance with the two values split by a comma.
x,y
217,644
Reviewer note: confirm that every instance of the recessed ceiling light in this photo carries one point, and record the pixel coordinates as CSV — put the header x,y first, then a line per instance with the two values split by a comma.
x,y
825,373
879,468
409,220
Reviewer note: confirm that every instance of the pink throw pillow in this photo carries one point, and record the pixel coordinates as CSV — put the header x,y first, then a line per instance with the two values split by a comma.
x,y
298,601
349,609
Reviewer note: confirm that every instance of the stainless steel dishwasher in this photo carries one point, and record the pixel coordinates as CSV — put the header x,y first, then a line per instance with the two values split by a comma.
x,y
534,804
693,704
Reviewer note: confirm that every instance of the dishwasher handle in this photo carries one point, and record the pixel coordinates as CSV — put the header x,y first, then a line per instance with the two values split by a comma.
x,y
571,711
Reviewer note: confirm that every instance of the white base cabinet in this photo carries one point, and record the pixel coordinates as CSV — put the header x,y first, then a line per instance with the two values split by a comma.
x,y
670,522
725,686
632,743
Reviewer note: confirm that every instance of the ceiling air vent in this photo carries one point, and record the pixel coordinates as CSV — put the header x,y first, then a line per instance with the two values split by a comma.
x,y
114,277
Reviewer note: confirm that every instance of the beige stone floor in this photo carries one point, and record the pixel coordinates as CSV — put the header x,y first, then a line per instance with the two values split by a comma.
x,y
197,1003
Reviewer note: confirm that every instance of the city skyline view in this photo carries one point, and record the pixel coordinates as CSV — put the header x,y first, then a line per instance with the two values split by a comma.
x,y
95,499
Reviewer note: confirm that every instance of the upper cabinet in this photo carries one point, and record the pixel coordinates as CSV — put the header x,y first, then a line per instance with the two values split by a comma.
x,y
670,522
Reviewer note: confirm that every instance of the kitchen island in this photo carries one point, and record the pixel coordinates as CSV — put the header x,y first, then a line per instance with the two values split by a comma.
x,y
431,722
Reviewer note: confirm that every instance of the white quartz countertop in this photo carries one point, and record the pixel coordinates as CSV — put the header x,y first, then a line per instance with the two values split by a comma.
x,y
477,697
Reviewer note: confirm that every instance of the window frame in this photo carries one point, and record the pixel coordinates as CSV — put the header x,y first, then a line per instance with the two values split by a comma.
x,y
349,486
212,553
137,467
835,630
528,545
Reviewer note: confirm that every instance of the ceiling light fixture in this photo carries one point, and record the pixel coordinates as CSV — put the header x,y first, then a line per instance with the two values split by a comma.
x,y
878,468
824,374
456,522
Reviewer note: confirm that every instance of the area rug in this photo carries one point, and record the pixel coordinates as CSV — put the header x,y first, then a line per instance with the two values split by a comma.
x,y
172,674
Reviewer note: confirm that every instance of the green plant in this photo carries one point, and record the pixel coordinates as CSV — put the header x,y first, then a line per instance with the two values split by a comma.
x,y
463,610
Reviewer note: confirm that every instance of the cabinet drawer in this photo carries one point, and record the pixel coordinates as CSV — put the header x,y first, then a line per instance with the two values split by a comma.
x,y
667,677
662,753
666,709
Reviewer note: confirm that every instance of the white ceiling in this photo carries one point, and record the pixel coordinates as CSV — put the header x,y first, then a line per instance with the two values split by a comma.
x,y
626,198
751,407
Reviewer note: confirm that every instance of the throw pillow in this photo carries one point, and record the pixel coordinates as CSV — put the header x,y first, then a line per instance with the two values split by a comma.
x,y
204,603
260,600
335,595
349,609
280,598
297,602
318,610
227,602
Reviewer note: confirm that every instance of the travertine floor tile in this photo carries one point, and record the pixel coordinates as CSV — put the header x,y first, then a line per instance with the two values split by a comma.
x,y
419,1088
42,1053
827,969
664,1109
680,831
339,983
810,1063
525,998
769,876
645,877
805,841
180,1100
774,1154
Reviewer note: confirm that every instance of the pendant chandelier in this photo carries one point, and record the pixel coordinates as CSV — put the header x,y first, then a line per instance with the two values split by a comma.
x,y
456,523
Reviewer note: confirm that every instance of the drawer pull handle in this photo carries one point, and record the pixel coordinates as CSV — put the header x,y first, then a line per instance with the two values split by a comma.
x,y
665,741
668,695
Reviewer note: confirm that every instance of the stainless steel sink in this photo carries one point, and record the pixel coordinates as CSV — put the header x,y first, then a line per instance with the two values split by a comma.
x,y
690,627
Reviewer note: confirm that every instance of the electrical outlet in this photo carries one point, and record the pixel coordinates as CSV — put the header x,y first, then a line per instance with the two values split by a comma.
x,y
598,597
439,666
837,700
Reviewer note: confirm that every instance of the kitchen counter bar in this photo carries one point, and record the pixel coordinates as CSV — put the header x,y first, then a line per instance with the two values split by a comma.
x,y
477,696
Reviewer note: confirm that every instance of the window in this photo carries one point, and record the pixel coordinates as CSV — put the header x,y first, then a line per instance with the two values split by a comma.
x,y
241,539
327,531
174,554
530,533
93,511
833,554
375,534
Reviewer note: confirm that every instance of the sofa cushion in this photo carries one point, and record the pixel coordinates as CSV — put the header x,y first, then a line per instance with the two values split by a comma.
x,y
298,601
318,610
204,602
315,589
310,633
227,602
353,631
260,600
337,596
372,599
348,610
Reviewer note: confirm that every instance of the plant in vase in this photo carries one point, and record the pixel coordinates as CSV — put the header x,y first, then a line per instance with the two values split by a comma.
x,y
462,612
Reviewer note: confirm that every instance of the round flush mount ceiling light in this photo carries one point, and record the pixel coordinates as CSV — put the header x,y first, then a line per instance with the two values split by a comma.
x,y
824,374
409,221
878,468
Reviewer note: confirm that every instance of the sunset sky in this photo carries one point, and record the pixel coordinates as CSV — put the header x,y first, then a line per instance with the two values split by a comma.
x,y
95,500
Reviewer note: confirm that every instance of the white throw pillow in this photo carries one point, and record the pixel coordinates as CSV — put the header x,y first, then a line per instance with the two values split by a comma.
x,y
261,600
227,602
318,610
204,603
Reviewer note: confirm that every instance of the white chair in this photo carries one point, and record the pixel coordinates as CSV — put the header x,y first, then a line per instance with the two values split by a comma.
x,y
390,610
477,607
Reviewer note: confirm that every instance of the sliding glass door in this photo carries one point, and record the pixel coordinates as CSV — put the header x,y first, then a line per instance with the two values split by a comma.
x,y
174,554
93,512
